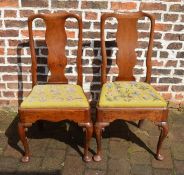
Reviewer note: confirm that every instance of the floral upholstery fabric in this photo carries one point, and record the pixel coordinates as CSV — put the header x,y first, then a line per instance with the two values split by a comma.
x,y
55,96
130,94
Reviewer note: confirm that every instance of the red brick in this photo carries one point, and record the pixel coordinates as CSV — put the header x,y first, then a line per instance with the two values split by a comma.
x,y
27,85
12,85
1,51
12,51
8,3
48,11
181,37
161,87
13,42
152,6
162,27
91,35
90,70
143,44
170,17
157,63
14,77
182,18
9,33
26,13
113,70
169,80
178,72
70,34
180,55
71,24
167,96
4,102
171,63
94,5
163,54
8,69
2,43
8,94
36,33
178,88
15,23
2,86
25,60
64,4
91,15
10,13
143,35
177,8
28,69
179,96
123,6
22,93
157,45
175,46
92,78
2,60
31,3
159,71
171,36
181,63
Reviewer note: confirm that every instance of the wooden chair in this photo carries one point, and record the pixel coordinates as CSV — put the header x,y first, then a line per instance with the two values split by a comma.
x,y
125,98
55,100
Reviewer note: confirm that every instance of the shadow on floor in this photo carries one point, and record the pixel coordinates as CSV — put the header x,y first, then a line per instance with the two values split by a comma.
x,y
120,129
65,131
71,134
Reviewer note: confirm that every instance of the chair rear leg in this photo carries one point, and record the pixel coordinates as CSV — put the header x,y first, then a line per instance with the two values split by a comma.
x,y
140,123
22,135
163,134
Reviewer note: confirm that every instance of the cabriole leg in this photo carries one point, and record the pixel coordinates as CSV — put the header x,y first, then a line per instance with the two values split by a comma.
x,y
23,138
98,133
163,134
89,131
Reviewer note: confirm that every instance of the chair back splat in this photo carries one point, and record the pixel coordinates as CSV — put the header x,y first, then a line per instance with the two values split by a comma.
x,y
56,39
126,37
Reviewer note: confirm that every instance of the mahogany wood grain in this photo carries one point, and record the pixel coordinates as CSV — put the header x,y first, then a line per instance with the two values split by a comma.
x,y
126,38
56,39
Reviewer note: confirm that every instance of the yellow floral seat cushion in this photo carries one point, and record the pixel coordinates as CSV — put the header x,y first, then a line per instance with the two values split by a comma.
x,y
55,96
130,94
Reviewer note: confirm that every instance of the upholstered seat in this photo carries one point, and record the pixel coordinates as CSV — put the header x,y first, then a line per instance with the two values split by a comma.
x,y
130,94
55,96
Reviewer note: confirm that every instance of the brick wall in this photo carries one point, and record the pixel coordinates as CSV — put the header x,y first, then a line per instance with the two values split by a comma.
x,y
168,54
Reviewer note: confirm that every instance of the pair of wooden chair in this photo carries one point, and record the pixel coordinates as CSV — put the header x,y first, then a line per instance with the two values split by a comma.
x,y
123,99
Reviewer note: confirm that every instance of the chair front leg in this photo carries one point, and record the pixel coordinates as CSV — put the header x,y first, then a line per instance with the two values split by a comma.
x,y
89,132
98,132
163,134
23,138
